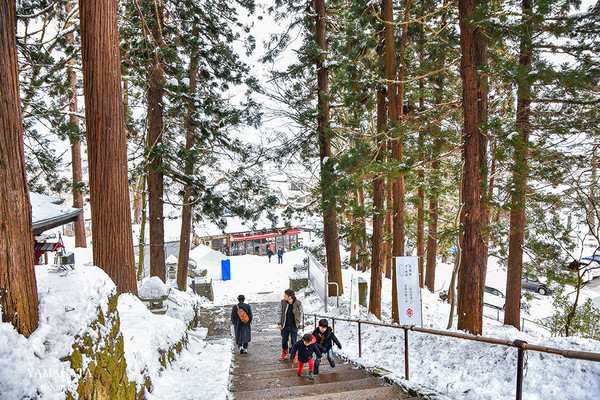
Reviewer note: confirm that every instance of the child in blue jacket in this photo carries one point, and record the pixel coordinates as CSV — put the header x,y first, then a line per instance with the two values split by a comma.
x,y
305,348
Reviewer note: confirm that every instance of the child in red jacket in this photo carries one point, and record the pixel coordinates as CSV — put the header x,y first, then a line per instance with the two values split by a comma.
x,y
305,348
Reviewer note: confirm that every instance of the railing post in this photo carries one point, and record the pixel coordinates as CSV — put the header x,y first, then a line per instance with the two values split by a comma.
x,y
520,357
333,323
326,286
307,265
359,342
406,353
315,320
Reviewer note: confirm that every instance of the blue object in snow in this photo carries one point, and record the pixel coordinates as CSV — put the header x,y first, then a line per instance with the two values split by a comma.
x,y
226,269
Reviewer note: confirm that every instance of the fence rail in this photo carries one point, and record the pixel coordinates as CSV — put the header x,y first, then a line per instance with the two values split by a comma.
x,y
521,345
523,319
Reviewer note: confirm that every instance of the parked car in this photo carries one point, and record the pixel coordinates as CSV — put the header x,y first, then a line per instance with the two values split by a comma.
x,y
494,298
535,285
592,264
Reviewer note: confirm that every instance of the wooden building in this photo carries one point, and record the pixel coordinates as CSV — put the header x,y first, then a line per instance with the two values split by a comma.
x,y
251,242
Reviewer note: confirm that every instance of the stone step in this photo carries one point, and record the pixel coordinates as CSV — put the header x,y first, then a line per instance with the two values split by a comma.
x,y
263,372
248,363
376,393
306,387
278,379
260,375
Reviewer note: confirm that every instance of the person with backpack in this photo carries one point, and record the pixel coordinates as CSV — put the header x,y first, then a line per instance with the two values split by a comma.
x,y
241,318
269,252
305,349
290,316
324,339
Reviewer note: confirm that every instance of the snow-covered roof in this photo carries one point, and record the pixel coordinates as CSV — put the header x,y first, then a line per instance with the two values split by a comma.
x,y
47,213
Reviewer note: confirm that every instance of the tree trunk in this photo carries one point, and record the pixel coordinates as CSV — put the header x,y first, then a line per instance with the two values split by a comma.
x,y
591,201
387,229
79,223
142,239
107,152
457,257
378,255
436,183
332,247
363,250
18,290
353,222
433,214
155,130
421,178
188,209
471,278
353,246
512,314
396,146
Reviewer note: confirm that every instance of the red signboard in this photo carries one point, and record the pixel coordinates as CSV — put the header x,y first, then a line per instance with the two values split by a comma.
x,y
239,238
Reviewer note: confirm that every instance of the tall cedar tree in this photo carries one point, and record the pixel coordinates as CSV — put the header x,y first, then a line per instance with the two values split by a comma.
x,y
378,215
155,138
434,176
18,290
471,277
392,93
332,247
79,223
187,213
512,314
107,157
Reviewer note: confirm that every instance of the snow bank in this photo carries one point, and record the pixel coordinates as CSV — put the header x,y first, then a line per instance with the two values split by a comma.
x,y
69,298
147,338
153,288
210,260
201,371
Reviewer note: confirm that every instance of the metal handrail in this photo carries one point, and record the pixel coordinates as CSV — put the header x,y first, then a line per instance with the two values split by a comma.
x,y
519,344
326,282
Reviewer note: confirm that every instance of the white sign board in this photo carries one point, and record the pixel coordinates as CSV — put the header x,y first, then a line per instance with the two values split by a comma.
x,y
409,292
354,310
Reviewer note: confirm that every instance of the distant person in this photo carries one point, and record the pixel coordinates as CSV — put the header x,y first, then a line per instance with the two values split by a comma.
x,y
290,315
269,253
242,330
325,338
280,256
305,349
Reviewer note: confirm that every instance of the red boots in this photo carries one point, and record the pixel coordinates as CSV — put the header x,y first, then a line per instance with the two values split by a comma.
x,y
283,354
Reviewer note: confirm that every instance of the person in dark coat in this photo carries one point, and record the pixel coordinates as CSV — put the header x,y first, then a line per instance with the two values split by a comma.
x,y
269,252
305,349
280,256
290,318
325,338
242,330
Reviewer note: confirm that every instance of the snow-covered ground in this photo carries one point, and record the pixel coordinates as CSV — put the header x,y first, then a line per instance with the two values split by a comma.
x,y
447,367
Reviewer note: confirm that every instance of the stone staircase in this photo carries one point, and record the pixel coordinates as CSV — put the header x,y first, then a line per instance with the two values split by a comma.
x,y
260,375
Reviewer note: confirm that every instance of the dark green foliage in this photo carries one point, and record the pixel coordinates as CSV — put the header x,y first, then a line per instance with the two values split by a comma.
x,y
227,174
584,323
45,84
